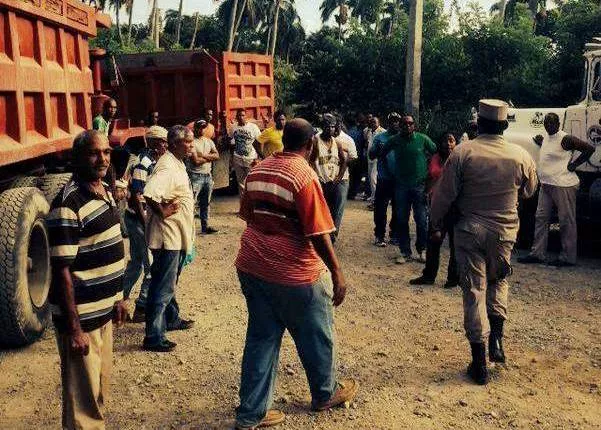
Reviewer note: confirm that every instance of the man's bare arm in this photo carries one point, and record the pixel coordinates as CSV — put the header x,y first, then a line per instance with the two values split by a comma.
x,y
572,143
80,342
324,248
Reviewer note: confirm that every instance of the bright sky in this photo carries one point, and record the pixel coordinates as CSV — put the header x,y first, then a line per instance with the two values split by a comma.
x,y
307,9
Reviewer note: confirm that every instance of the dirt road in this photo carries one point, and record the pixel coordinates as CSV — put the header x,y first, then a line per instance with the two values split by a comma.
x,y
405,345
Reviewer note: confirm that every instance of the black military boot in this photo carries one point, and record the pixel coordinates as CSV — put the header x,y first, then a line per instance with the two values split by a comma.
x,y
477,370
495,340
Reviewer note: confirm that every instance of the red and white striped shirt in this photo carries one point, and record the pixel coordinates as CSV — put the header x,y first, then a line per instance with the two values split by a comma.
x,y
283,206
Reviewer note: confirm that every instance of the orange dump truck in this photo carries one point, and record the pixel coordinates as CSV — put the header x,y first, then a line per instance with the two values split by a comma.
x,y
181,85
46,97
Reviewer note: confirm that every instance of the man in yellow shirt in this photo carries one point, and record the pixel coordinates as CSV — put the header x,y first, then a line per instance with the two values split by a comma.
x,y
270,141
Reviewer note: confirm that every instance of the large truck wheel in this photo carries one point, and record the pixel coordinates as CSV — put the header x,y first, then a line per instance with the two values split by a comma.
x,y
52,184
24,266
25,181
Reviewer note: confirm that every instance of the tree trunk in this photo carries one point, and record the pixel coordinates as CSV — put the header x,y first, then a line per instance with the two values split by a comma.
x,y
196,22
502,9
230,40
178,27
129,22
274,35
118,21
414,59
239,18
153,22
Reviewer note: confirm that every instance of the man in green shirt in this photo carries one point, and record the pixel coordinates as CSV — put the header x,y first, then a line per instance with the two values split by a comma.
x,y
102,122
411,151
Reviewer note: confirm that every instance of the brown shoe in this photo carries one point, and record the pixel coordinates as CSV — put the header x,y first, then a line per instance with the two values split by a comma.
x,y
273,417
347,390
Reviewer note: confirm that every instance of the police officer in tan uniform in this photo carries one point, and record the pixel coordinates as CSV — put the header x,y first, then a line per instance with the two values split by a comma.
x,y
483,179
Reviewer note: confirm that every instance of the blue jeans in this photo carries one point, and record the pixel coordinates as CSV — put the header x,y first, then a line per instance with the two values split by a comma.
x,y
335,194
307,313
161,307
202,187
407,198
139,260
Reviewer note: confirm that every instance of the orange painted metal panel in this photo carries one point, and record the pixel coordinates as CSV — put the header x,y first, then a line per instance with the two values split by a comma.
x,y
45,80
247,84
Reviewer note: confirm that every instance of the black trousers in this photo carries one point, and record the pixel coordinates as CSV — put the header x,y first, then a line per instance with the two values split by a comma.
x,y
384,197
433,255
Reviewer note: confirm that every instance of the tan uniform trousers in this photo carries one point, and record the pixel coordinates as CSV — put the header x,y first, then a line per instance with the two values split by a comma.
x,y
483,260
86,380
565,200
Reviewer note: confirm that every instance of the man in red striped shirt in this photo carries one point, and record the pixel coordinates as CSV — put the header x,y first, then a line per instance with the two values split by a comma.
x,y
291,279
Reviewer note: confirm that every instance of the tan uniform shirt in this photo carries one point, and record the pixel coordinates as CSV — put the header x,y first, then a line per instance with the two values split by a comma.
x,y
169,181
483,178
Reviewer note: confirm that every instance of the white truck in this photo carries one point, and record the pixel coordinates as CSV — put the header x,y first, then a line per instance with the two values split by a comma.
x,y
582,120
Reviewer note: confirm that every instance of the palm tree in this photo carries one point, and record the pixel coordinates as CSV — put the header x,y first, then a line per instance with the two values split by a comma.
x,y
154,23
286,9
178,28
328,7
196,22
129,7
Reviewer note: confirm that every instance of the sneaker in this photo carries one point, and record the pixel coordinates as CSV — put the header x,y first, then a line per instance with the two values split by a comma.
x,y
209,230
181,325
422,280
379,243
560,263
421,257
139,315
165,346
530,259
346,392
273,417
402,259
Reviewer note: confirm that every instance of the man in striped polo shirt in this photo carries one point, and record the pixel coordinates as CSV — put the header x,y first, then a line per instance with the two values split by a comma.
x,y
86,290
285,281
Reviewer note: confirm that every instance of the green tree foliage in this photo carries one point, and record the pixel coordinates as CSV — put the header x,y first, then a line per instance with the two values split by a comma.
x,y
531,56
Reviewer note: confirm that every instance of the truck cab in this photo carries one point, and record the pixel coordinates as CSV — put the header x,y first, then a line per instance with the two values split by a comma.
x,y
582,120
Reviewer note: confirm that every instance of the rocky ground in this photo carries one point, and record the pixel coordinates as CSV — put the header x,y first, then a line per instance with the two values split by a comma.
x,y
405,346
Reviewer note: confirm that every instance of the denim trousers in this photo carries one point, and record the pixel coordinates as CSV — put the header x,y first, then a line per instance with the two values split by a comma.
x,y
202,188
308,315
407,198
335,194
384,197
139,261
161,307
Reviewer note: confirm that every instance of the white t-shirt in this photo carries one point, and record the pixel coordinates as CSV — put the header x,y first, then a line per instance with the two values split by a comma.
x,y
348,144
553,162
243,137
203,146
369,137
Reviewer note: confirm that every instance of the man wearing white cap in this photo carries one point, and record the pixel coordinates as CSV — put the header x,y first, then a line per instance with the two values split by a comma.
x,y
483,179
135,217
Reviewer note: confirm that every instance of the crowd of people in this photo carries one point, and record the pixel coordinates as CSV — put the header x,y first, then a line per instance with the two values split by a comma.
x,y
294,181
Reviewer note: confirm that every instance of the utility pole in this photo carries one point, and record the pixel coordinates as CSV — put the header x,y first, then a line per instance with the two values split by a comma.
x,y
414,59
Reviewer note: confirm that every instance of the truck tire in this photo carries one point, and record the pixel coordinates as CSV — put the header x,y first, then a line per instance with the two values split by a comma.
x,y
25,181
24,266
52,184
594,196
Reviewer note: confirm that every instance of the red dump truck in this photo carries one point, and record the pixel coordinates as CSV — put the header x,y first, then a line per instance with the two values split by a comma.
x,y
181,85
50,87
46,96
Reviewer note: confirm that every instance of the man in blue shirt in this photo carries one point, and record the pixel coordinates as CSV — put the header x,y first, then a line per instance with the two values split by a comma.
x,y
385,184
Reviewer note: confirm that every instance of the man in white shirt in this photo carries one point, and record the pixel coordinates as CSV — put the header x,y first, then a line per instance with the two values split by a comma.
x,y
170,236
559,187
244,134
330,160
204,152
371,132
